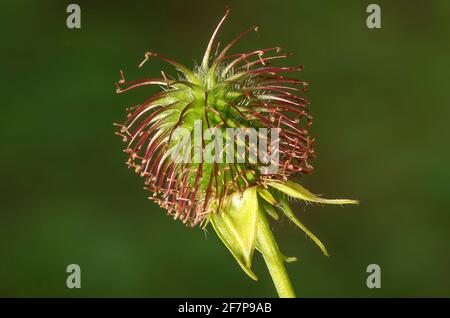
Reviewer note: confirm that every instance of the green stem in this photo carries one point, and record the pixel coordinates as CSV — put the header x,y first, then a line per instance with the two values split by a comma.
x,y
268,247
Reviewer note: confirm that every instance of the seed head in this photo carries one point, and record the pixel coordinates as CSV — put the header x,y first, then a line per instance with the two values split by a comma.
x,y
228,90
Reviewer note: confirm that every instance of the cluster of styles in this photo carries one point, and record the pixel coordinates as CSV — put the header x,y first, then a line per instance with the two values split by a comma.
x,y
239,90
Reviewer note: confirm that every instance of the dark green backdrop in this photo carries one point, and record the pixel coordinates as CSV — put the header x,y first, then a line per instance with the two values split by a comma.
x,y
381,104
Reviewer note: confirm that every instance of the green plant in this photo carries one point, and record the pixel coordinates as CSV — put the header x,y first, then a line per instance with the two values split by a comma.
x,y
227,91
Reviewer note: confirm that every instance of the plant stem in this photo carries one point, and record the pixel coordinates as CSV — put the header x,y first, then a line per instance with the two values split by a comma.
x,y
266,244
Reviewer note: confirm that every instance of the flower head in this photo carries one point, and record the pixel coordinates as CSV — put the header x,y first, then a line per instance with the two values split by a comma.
x,y
240,91
228,90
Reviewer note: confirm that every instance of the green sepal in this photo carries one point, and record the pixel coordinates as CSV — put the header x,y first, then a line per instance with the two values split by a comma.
x,y
270,210
295,190
268,203
284,205
266,195
236,225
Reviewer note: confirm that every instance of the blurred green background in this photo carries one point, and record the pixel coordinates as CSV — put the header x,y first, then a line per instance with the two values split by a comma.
x,y
381,104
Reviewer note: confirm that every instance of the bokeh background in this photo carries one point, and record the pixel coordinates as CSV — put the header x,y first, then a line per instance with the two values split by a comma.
x,y
381,104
